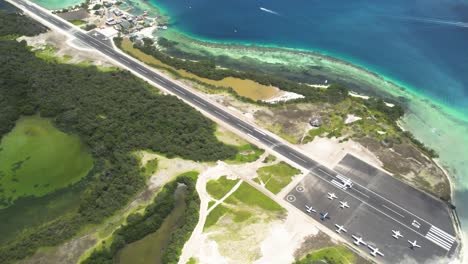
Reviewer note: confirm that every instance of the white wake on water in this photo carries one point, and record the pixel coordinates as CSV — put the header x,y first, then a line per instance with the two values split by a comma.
x,y
269,11
438,21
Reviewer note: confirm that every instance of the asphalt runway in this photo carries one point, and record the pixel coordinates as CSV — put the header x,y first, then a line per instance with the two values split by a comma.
x,y
371,218
369,199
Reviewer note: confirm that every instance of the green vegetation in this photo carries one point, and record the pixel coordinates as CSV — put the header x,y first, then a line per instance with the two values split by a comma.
x,y
276,177
215,215
77,22
207,69
241,215
150,167
330,255
148,250
138,225
113,113
252,197
269,159
13,24
246,153
220,187
36,158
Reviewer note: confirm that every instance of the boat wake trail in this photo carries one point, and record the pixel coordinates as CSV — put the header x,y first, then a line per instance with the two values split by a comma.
x,y
269,11
437,21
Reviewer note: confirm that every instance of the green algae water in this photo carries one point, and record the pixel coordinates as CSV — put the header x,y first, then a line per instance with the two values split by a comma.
x,y
412,51
36,159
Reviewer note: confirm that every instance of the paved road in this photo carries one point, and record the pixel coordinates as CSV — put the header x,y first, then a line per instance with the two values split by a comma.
x,y
369,197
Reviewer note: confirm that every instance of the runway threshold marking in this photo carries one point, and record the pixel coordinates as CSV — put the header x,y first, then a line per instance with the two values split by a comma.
x,y
383,205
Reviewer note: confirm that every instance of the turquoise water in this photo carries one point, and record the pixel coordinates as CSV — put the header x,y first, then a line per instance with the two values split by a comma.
x,y
57,4
419,44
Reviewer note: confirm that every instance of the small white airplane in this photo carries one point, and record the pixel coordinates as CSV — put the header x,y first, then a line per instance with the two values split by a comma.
x,y
396,234
358,240
340,228
375,251
414,244
310,209
344,204
331,196
324,216
347,183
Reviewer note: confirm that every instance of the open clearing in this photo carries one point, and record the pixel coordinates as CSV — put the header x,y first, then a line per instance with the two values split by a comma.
x,y
276,177
36,158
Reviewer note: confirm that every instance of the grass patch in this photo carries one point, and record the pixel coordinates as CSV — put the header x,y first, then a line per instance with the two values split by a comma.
x,y
276,177
36,158
331,255
77,22
220,187
211,203
252,197
150,167
269,159
241,215
246,153
215,215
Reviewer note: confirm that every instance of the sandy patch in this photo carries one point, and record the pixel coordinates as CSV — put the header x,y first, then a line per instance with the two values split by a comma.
x,y
284,96
63,49
331,151
285,238
351,118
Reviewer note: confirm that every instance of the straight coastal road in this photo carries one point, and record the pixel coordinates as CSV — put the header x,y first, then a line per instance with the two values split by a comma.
x,y
399,215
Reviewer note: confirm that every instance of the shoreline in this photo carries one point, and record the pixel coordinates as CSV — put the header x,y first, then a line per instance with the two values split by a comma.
x,y
450,112
264,48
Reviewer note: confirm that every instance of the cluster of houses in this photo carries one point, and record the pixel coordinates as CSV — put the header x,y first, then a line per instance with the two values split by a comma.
x,y
122,21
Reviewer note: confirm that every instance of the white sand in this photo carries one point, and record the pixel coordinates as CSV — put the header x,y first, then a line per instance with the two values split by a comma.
x,y
284,96
284,239
330,151
351,118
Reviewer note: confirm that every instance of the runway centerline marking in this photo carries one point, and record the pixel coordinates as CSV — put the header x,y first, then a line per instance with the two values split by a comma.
x,y
198,101
393,210
221,114
297,156
371,206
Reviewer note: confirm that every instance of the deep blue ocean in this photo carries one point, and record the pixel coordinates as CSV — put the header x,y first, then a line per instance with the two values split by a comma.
x,y
423,43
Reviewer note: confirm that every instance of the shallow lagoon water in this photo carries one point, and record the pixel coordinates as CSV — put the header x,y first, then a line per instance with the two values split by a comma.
x,y
419,45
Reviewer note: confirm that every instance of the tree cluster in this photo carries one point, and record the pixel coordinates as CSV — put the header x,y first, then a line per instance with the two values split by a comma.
x,y
113,113
140,225
19,24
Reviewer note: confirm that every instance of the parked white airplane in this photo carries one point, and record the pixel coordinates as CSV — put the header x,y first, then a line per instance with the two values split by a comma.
x,y
396,234
375,251
331,196
347,183
414,244
324,216
310,209
358,240
340,228
344,204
